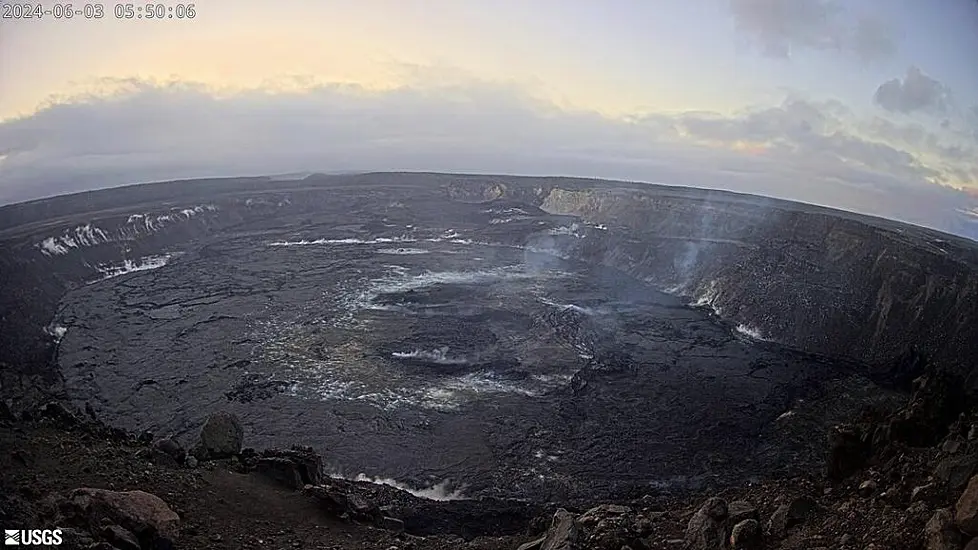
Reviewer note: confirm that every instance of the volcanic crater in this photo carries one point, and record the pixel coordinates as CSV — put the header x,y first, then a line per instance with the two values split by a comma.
x,y
532,338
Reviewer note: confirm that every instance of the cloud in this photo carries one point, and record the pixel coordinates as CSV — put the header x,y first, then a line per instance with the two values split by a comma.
x,y
802,149
782,27
916,92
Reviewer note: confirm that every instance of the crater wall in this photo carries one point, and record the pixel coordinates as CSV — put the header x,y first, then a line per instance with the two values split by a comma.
x,y
821,280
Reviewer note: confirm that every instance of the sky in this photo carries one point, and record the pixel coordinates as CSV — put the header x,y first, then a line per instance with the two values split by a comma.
x,y
867,105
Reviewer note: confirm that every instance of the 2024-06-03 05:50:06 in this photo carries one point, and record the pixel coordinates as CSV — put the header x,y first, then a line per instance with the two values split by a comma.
x,y
97,11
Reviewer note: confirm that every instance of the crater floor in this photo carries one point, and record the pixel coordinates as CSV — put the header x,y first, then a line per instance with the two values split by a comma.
x,y
445,344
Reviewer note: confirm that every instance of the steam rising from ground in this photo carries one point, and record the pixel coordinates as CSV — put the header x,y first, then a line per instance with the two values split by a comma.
x,y
130,266
442,491
438,356
750,332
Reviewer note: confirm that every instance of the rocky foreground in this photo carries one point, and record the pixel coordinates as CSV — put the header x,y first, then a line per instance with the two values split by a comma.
x,y
893,481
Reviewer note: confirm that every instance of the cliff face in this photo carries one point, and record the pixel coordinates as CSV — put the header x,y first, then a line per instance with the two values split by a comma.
x,y
821,280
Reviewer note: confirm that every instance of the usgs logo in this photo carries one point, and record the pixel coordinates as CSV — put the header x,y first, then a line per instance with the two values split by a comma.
x,y
31,537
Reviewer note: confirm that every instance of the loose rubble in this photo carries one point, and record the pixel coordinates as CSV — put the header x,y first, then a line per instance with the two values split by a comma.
x,y
105,488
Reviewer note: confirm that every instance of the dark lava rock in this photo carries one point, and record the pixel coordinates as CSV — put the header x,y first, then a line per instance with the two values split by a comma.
x,y
145,515
746,535
221,436
6,414
611,526
791,514
966,509
254,388
868,488
955,471
902,371
848,451
706,530
940,534
740,510
924,493
171,448
58,412
423,517
294,468
936,401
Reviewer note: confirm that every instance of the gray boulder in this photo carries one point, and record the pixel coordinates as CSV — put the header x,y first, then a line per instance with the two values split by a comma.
x,y
740,510
221,436
940,534
563,532
746,535
966,509
796,512
706,530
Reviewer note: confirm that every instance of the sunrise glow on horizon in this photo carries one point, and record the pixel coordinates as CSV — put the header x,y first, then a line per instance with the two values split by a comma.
x,y
870,96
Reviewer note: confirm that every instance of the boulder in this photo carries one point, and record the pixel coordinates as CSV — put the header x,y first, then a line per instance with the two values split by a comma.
x,y
221,436
740,510
563,533
940,534
746,535
935,403
952,445
598,513
924,492
847,451
796,512
170,448
143,514
611,527
295,468
706,530
58,412
868,488
281,470
361,507
966,509
955,471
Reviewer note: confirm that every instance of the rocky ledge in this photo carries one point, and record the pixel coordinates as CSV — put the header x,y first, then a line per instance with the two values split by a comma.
x,y
902,480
